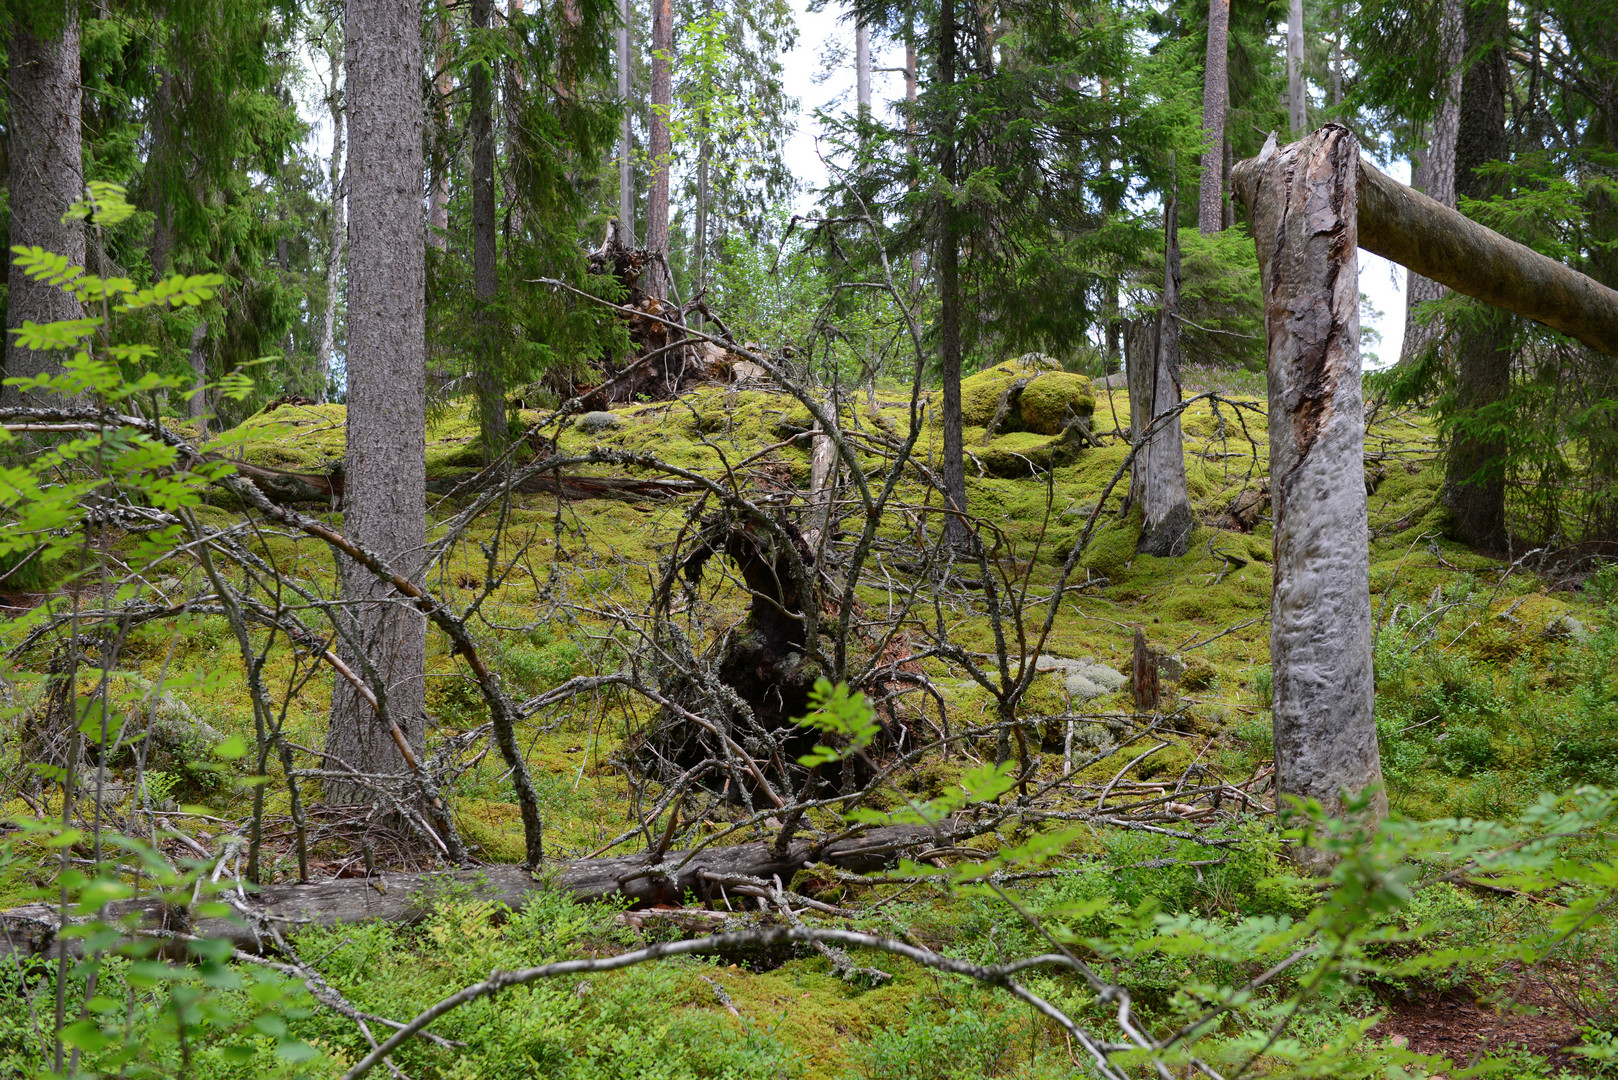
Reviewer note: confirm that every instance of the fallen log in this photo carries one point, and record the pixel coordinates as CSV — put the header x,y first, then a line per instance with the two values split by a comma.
x,y
286,488
407,899
1406,227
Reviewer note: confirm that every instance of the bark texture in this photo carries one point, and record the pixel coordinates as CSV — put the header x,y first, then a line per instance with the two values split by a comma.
x,y
862,69
949,308
443,85
626,175
659,144
385,461
1297,102
1409,228
490,371
46,175
1304,207
1157,476
198,405
1437,176
337,237
1474,478
1211,197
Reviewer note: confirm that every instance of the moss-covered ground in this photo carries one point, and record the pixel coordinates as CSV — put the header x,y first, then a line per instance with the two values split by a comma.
x,y
1494,684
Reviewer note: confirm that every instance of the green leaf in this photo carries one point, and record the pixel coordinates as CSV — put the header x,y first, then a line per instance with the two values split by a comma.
x,y
232,748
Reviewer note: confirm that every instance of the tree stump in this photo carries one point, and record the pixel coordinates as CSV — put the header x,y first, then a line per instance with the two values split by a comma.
x,y
1304,201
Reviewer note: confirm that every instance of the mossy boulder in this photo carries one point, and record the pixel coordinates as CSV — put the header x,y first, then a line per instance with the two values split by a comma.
x,y
1017,455
1045,406
1054,399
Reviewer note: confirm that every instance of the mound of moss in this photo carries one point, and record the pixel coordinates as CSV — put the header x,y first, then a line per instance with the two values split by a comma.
x,y
1045,406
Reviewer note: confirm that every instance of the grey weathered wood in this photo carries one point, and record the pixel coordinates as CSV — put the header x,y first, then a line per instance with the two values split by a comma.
x,y
407,898
659,144
1435,241
1157,477
385,460
1304,209
46,174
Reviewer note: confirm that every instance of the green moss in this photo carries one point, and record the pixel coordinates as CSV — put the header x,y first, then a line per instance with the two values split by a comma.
x,y
1017,455
1112,547
495,827
1053,399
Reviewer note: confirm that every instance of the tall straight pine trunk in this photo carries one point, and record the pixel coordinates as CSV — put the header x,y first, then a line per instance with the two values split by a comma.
x,y
1211,196
489,356
659,144
385,464
337,236
1474,480
956,530
443,85
47,174
1437,175
1297,101
626,173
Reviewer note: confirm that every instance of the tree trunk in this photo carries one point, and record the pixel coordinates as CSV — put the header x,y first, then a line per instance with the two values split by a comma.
x,y
1304,207
1406,227
199,373
956,530
385,471
699,237
1438,177
515,84
659,144
910,119
490,364
443,85
1211,197
406,899
862,70
337,235
1474,479
1157,481
47,176
626,173
1297,102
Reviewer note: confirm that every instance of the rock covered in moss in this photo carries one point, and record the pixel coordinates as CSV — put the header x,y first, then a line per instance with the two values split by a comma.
x,y
1046,402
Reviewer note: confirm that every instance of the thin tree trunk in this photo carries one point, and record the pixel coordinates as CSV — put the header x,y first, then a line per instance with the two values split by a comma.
x,y
1474,480
162,209
1158,480
1303,201
490,369
1437,177
199,374
1297,103
862,70
1337,59
956,530
385,467
1211,196
626,173
515,85
910,120
46,176
443,85
659,144
337,235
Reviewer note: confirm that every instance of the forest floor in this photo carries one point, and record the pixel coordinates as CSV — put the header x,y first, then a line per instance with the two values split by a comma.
x,y
1494,684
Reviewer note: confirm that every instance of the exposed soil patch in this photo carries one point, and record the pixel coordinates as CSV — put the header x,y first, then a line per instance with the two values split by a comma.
x,y
1464,1024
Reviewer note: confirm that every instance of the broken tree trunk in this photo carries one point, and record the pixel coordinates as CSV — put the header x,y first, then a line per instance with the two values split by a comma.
x,y
1303,205
1157,475
408,898
1401,224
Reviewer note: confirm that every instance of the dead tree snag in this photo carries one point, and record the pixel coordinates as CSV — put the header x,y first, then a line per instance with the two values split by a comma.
x,y
1303,201
1152,354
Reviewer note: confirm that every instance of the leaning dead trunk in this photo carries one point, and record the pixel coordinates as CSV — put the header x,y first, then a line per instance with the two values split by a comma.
x,y
1304,201
1157,479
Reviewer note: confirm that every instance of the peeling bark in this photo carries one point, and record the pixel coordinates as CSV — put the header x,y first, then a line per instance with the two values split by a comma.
x,y
1304,205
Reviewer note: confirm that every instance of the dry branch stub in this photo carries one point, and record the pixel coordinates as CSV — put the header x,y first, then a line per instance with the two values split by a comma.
x,y
1303,204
